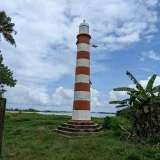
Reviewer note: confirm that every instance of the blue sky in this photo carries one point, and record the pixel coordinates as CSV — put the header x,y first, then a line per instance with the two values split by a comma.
x,y
126,33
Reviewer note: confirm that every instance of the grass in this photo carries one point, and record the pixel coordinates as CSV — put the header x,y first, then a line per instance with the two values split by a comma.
x,y
32,137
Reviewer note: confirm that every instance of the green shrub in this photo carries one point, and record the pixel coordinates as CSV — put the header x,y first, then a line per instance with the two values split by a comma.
x,y
157,156
17,131
124,112
154,139
107,123
7,116
133,157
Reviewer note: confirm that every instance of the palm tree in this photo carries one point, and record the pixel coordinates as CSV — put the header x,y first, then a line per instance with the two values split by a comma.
x,y
144,106
6,28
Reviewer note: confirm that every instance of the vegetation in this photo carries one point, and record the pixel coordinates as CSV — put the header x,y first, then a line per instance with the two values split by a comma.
x,y
124,112
31,136
26,110
6,28
6,77
143,107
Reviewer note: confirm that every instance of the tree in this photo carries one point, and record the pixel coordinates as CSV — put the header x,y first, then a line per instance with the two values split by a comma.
x,y
144,106
6,28
6,77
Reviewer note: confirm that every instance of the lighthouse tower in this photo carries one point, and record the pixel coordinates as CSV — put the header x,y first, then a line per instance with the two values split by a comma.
x,y
81,103
81,124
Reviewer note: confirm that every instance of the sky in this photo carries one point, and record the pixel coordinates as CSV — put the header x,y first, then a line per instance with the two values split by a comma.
x,y
127,34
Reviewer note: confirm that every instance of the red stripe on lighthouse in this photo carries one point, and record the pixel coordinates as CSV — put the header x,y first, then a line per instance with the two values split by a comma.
x,y
83,38
83,54
83,70
82,87
81,105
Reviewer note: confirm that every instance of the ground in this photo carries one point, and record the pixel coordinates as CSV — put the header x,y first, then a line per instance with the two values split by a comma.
x,y
32,137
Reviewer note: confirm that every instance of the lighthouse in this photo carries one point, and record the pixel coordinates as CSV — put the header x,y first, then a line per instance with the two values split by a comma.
x,y
81,124
81,102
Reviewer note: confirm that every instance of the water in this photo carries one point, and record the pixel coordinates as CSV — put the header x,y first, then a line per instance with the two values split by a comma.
x,y
93,114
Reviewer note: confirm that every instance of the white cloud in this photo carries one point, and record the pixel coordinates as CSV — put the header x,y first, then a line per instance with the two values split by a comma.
x,y
112,96
152,2
150,54
95,94
142,59
156,82
123,39
149,38
145,69
115,95
37,95
62,96
152,29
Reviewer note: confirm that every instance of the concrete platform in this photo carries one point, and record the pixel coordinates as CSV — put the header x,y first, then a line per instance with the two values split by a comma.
x,y
75,129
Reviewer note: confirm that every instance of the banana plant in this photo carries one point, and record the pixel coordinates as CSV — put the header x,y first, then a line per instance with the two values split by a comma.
x,y
144,105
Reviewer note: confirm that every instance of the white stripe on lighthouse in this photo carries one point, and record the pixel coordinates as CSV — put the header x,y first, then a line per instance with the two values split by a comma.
x,y
81,115
82,78
82,95
83,62
83,47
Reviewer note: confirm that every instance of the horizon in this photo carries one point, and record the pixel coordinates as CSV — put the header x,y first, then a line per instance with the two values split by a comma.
x,y
34,110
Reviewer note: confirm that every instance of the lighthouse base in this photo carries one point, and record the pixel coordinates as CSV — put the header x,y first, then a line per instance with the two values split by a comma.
x,y
79,128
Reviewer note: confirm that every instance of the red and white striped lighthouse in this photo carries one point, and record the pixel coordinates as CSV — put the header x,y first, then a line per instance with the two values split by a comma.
x,y
81,103
81,124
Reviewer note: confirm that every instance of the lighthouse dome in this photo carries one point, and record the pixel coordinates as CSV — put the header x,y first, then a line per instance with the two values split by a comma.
x,y
84,27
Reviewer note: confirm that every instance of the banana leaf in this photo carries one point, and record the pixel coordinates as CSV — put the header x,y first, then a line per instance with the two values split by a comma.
x,y
132,99
126,100
115,126
150,83
141,89
157,101
156,89
139,98
143,95
155,98
146,109
124,89
116,102
121,105
137,103
132,77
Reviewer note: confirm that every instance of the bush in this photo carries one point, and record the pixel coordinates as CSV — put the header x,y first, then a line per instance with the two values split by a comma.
x,y
107,123
7,116
154,139
124,112
133,157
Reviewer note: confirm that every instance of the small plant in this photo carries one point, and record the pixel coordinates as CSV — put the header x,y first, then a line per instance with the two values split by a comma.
x,y
133,157
107,123
7,116
124,112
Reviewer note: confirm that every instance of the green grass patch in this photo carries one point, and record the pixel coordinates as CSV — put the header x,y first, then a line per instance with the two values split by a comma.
x,y
31,136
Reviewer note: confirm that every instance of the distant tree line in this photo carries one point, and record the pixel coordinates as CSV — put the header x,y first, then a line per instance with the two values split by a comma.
x,y
17,109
